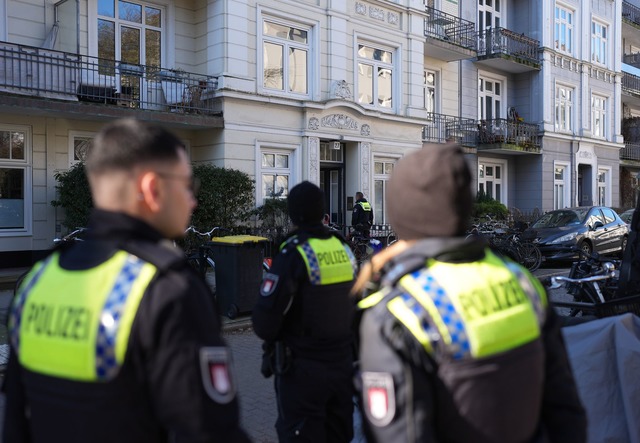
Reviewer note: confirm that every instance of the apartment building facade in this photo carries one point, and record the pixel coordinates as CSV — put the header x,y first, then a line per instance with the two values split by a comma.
x,y
334,92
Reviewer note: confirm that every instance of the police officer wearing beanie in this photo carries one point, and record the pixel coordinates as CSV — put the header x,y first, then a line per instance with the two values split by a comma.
x,y
304,313
457,344
115,338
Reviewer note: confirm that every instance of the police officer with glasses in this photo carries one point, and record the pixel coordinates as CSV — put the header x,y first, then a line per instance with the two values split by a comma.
x,y
116,339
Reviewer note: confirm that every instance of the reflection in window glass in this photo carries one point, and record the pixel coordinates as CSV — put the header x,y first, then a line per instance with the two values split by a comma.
x,y
298,70
152,48
375,77
152,16
130,12
273,71
130,44
282,161
11,198
12,145
268,160
106,40
81,146
106,8
285,57
365,84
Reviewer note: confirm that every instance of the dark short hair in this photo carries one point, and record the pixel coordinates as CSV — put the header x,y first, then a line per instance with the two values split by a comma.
x,y
127,143
359,194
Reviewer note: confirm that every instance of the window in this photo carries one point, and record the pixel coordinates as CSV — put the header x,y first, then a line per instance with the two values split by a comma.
x,y
275,175
14,177
79,145
430,91
382,169
564,108
603,186
285,57
492,179
598,43
375,77
331,151
563,31
490,98
130,32
598,116
560,186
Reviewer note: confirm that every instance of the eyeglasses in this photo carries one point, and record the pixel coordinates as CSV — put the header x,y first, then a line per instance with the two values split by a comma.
x,y
193,182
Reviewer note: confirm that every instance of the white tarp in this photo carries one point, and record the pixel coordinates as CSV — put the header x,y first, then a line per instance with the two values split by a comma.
x,y
605,357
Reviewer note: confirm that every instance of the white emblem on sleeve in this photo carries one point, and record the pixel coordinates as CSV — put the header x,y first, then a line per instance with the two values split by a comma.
x,y
217,376
269,283
379,397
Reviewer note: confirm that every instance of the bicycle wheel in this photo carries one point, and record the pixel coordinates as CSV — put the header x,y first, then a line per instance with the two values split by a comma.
x,y
530,256
206,268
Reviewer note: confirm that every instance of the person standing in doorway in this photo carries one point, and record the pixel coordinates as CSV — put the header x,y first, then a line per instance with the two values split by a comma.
x,y
362,216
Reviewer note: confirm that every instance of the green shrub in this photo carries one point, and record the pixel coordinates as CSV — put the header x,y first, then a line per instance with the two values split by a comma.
x,y
274,213
485,205
74,196
225,198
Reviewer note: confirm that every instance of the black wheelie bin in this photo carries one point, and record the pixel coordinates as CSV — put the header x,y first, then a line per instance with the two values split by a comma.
x,y
238,260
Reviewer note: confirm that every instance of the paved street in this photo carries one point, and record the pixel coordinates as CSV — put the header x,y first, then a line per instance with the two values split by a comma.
x,y
257,399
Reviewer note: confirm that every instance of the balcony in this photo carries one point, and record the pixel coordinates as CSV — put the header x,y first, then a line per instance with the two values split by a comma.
x,y
630,153
505,136
441,128
448,37
53,81
632,59
508,51
630,89
630,14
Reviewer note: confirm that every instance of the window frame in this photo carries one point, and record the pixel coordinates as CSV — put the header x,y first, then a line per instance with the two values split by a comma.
x,y
570,28
380,210
603,42
394,67
565,182
435,87
27,180
568,108
602,111
606,187
167,27
293,151
311,45
73,135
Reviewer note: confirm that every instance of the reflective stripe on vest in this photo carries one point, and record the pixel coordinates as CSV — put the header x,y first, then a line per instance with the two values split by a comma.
x,y
366,206
76,324
474,309
328,261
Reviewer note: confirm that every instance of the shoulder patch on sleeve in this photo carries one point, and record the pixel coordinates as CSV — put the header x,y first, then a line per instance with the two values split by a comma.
x,y
217,377
269,283
379,397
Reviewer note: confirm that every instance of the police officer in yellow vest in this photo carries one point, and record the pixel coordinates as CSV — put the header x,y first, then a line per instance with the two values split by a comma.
x,y
115,339
304,313
457,344
362,216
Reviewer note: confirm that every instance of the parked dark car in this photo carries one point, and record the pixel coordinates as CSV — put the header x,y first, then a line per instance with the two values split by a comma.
x,y
590,228
626,216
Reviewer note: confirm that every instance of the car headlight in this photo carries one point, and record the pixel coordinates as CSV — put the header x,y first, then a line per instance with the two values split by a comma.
x,y
565,238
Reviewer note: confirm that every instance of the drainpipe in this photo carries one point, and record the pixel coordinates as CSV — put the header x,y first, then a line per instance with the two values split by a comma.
x,y
574,175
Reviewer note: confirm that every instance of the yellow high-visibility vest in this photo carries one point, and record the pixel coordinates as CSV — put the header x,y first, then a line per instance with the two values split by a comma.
x,y
76,324
328,261
475,309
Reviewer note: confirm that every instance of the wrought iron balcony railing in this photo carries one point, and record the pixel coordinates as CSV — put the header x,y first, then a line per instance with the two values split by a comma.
x,y
630,13
441,128
500,41
630,84
38,72
449,28
512,134
631,151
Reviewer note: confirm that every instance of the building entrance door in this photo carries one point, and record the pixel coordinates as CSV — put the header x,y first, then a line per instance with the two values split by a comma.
x,y
332,183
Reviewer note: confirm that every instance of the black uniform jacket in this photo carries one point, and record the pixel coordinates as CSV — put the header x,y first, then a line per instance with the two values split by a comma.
x,y
316,322
361,219
159,394
527,394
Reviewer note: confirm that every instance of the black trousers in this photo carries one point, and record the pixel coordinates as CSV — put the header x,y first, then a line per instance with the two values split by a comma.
x,y
315,402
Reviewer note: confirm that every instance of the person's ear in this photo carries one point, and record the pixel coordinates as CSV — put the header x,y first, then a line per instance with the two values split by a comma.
x,y
149,186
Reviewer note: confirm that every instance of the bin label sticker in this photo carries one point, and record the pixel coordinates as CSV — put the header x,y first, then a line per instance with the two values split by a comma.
x,y
269,283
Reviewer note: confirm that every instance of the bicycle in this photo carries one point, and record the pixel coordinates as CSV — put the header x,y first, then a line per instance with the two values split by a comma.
x,y
201,260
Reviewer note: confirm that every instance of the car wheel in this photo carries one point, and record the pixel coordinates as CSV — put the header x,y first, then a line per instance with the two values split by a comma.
x,y
586,247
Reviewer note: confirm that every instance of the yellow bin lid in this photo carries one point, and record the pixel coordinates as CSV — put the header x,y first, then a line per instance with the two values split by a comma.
x,y
238,239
